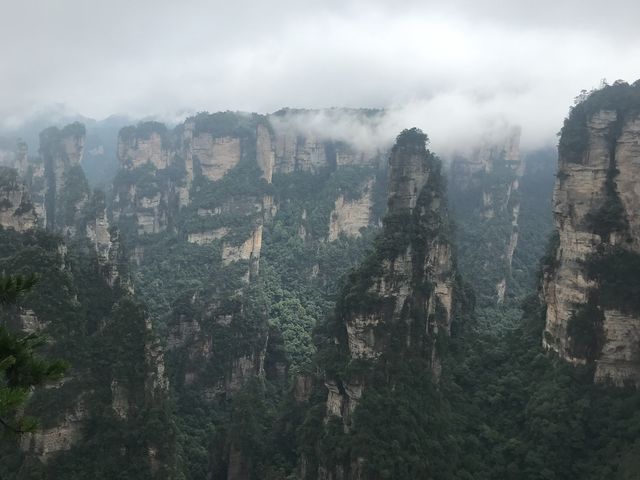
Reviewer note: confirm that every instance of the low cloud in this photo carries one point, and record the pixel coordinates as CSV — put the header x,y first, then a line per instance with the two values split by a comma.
x,y
455,69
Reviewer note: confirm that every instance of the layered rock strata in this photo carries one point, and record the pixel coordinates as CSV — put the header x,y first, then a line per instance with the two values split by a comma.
x,y
592,273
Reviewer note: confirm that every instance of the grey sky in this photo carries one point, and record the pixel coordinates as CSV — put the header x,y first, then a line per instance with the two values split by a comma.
x,y
450,67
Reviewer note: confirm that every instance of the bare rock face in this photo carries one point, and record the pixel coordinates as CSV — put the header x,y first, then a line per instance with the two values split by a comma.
x,y
484,190
350,216
146,144
66,190
265,152
208,236
298,144
588,282
216,155
14,154
248,250
16,209
61,437
97,230
293,153
400,301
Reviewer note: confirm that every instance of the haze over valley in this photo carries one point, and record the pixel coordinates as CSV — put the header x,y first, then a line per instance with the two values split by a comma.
x,y
319,241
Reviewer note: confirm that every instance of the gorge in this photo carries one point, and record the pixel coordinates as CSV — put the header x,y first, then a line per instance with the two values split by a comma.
x,y
253,298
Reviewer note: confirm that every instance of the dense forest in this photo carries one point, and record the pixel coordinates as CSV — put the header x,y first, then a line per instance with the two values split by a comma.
x,y
244,301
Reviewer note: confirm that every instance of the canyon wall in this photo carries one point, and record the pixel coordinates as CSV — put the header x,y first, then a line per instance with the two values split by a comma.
x,y
16,209
592,273
485,199
66,190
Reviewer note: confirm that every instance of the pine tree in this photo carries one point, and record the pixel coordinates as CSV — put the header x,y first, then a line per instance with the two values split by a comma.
x,y
21,369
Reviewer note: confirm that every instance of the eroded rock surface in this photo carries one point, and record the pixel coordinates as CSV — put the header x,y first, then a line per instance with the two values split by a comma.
x,y
596,204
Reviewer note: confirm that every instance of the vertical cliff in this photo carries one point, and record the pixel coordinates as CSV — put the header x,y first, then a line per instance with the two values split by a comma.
x,y
309,141
143,186
395,311
485,200
16,209
66,189
14,154
592,275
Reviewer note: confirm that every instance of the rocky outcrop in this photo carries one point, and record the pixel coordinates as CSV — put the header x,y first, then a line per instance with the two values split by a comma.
x,y
349,216
14,154
142,145
399,303
485,195
216,155
300,145
593,269
209,236
98,229
66,190
265,152
248,250
59,438
16,209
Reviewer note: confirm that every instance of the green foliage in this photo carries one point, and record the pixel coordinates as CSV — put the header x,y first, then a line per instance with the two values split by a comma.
x,y
411,136
585,331
75,129
517,413
144,130
75,189
622,98
399,428
12,287
402,429
482,238
8,178
171,271
292,320
106,338
617,274
550,260
221,124
610,217
21,368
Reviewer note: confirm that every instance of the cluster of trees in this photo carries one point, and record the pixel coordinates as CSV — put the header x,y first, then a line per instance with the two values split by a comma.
x,y
21,367
101,337
501,408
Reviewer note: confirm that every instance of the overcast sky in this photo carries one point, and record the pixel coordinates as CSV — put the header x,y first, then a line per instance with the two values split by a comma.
x,y
449,67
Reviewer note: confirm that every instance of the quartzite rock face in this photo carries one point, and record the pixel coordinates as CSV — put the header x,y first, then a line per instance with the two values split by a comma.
x,y
16,209
400,301
66,190
159,167
590,317
349,216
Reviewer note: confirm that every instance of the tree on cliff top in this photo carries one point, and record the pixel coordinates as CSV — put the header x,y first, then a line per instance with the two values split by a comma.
x,y
20,367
